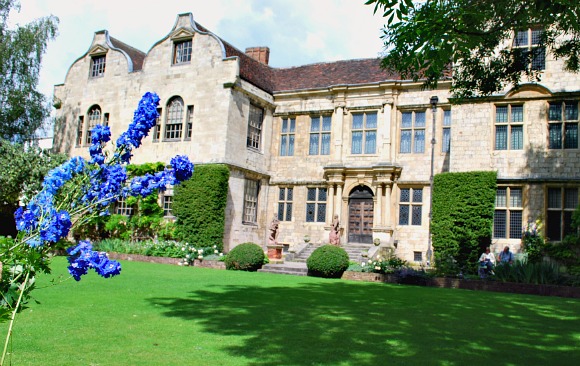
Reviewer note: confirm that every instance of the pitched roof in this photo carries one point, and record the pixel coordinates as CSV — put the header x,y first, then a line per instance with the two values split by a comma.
x,y
136,56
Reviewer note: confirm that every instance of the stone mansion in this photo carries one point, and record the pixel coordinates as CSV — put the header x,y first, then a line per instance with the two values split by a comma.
x,y
342,138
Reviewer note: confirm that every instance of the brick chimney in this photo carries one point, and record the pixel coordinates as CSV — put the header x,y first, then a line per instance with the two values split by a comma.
x,y
261,54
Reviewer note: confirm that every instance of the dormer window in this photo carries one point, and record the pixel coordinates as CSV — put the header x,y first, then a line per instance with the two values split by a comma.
x,y
182,52
98,66
530,41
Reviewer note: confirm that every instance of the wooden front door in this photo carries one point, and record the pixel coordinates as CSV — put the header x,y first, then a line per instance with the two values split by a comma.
x,y
360,216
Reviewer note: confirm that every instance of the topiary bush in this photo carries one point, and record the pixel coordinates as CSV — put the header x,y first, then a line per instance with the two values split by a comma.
x,y
328,261
245,257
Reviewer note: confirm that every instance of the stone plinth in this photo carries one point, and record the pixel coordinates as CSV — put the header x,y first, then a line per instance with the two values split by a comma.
x,y
275,251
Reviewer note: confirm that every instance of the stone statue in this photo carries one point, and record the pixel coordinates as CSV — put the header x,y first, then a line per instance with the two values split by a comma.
x,y
273,235
334,236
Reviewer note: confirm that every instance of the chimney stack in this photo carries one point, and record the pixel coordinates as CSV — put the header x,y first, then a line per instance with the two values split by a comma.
x,y
261,54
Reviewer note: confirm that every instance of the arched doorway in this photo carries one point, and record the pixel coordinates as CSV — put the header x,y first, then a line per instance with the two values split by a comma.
x,y
360,215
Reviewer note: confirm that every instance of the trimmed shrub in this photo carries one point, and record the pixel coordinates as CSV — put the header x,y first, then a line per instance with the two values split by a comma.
x,y
328,261
462,218
199,205
245,257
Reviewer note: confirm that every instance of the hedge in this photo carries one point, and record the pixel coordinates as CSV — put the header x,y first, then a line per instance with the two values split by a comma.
x,y
199,205
462,218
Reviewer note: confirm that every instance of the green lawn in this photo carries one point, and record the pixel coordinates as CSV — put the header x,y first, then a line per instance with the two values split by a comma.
x,y
154,314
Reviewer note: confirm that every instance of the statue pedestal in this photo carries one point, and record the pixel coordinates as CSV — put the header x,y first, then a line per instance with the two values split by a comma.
x,y
275,251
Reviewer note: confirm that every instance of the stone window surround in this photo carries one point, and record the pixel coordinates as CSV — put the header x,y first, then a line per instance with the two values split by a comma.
x,y
509,124
413,128
512,209
412,204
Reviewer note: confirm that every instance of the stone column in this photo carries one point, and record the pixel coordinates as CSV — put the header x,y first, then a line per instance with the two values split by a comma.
x,y
330,203
387,215
378,217
339,199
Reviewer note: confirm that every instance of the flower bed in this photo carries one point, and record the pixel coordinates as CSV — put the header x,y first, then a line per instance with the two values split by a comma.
x,y
166,260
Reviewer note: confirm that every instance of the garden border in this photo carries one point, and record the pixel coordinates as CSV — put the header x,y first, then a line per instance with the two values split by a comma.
x,y
166,260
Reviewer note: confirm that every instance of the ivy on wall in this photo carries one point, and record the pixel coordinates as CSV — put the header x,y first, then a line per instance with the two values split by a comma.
x,y
462,218
199,205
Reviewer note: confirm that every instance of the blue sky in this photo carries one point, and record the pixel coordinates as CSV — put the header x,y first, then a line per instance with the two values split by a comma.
x,y
298,32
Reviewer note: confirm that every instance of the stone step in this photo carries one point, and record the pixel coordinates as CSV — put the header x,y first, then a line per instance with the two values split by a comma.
x,y
298,269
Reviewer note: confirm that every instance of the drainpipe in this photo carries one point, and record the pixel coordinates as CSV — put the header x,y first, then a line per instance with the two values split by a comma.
x,y
433,101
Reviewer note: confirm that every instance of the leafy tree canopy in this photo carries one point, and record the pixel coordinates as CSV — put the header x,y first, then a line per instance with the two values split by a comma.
x,y
22,108
474,40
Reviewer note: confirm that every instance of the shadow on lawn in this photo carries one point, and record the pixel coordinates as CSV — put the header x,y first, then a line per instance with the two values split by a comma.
x,y
340,323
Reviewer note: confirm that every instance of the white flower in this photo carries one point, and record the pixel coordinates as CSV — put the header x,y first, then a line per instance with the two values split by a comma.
x,y
183,249
187,256
200,256
215,251
215,246
200,250
221,254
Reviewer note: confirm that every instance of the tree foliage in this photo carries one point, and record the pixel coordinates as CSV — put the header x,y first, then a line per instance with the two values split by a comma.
x,y
23,109
473,39
23,170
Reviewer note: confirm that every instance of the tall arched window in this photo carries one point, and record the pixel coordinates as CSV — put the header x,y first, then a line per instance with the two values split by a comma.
x,y
94,119
174,119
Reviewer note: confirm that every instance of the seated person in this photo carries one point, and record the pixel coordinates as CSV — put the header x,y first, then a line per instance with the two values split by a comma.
x,y
506,256
487,260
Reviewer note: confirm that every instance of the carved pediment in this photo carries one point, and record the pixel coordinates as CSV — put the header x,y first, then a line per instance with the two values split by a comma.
x,y
529,91
98,50
182,33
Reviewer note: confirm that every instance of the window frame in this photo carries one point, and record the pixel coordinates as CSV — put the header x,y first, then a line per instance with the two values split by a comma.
x,y
285,203
564,125
537,49
174,117
121,208
94,116
510,127
364,130
319,130
80,128
512,227
563,213
446,131
178,57
189,122
317,205
167,205
255,123
287,136
409,218
98,66
413,129
251,199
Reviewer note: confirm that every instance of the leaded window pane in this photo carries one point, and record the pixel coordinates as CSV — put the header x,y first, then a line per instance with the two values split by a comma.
x,y
447,117
281,194
499,224
501,114
521,38
281,211
357,121
515,197
517,137
517,113
284,125
571,136
283,143
538,58
416,215
313,149
555,112
314,124
501,197
311,194
291,145
501,137
446,143
370,142
417,195
407,119
322,194
555,132
419,143
321,216
255,120
326,123
310,208
515,224
404,215
554,198
405,141
405,195
292,125
173,124
419,119
571,198
289,211
289,194
325,145
536,36
571,111
371,120
356,146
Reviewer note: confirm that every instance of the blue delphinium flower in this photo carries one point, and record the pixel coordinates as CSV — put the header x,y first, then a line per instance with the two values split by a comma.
x,y
143,120
100,135
183,168
82,257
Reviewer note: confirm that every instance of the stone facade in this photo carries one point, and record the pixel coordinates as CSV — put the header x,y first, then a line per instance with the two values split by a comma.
x,y
343,138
